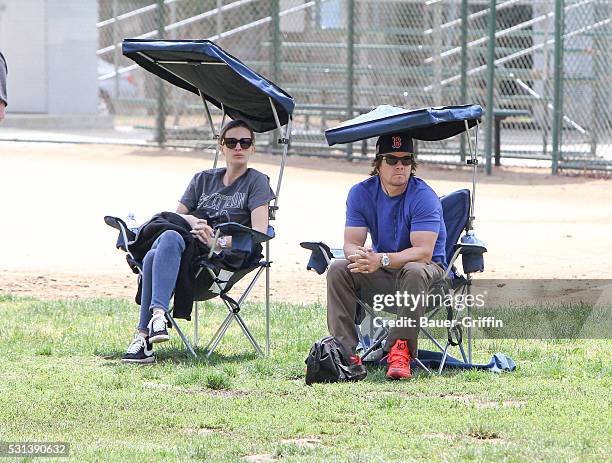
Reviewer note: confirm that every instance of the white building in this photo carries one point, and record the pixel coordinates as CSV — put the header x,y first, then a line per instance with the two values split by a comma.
x,y
50,48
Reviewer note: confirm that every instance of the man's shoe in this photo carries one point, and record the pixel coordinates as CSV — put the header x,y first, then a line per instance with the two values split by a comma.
x,y
139,351
357,369
398,361
158,330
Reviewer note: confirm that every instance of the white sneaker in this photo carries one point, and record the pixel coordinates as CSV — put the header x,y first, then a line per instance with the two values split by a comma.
x,y
139,351
158,330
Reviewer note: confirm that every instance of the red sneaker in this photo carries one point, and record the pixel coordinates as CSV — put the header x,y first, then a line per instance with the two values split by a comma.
x,y
398,361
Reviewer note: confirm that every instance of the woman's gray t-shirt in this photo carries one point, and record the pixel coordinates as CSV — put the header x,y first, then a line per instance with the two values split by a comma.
x,y
207,197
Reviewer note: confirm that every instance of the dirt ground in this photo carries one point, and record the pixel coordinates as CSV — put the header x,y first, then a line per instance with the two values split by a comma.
x,y
54,243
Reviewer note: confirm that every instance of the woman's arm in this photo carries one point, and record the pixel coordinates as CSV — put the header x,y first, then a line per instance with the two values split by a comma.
x,y
199,227
259,219
192,220
259,222
181,209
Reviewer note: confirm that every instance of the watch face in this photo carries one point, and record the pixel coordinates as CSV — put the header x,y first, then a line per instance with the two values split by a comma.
x,y
385,260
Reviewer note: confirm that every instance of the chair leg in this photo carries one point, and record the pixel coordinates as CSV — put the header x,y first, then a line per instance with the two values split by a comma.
x,y
196,338
444,355
248,334
374,345
268,299
419,363
178,330
469,328
465,359
214,341
432,339
222,330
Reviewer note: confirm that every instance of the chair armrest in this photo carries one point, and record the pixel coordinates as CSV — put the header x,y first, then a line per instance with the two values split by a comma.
x,y
126,236
320,255
471,250
470,246
243,237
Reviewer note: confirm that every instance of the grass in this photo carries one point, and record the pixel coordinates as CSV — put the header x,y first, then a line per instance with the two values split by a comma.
x,y
62,381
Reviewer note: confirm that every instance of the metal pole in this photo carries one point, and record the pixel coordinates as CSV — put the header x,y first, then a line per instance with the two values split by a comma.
x,y
598,72
268,298
275,60
117,54
196,317
219,17
469,330
160,126
558,85
350,64
436,53
464,64
490,86
474,162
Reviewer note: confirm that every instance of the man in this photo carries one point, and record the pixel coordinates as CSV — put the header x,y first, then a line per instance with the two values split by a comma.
x,y
3,99
403,216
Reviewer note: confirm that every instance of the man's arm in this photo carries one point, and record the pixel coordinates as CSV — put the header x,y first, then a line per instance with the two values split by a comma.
x,y
423,243
354,239
368,261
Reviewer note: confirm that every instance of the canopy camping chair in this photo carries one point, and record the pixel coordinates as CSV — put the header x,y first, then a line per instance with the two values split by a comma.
x,y
203,68
428,124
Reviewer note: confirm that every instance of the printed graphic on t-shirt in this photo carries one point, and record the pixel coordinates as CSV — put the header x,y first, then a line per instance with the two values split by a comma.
x,y
218,201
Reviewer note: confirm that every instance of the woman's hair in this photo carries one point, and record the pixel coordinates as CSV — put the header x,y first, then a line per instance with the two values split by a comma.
x,y
377,161
232,125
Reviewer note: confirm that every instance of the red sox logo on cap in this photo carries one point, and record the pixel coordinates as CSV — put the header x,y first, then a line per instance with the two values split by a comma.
x,y
397,142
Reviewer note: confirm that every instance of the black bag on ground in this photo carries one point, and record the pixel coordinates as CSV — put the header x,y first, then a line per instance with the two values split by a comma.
x,y
328,362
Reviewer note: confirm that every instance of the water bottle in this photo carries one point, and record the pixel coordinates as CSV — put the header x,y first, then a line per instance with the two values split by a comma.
x,y
131,222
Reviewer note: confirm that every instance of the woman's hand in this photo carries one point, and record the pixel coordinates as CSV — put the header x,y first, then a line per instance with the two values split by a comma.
x,y
191,219
202,231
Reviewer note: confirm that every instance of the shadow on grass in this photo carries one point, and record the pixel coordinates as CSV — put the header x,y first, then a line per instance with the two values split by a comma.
x,y
377,373
181,356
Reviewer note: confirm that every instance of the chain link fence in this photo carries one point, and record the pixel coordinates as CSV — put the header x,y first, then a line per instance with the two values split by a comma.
x,y
342,57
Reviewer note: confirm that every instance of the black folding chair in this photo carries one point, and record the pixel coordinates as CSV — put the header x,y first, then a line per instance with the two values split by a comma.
x,y
203,68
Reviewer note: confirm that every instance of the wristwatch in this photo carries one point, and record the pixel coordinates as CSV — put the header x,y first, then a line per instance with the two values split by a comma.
x,y
384,260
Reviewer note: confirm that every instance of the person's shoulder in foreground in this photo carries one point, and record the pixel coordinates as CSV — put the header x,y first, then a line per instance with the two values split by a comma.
x,y
3,97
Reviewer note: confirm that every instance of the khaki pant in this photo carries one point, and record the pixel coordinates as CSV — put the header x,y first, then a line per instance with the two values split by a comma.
x,y
343,287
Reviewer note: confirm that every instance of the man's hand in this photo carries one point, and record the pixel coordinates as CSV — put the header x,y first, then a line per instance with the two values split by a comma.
x,y
202,231
2,106
365,260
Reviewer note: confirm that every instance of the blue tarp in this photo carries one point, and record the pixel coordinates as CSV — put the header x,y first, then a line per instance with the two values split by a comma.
x,y
202,66
498,363
427,124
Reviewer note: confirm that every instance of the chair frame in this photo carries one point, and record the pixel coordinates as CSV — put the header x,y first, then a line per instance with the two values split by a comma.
x,y
232,305
462,283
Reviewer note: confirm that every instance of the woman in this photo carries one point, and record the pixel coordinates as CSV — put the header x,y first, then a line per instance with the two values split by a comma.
x,y
235,193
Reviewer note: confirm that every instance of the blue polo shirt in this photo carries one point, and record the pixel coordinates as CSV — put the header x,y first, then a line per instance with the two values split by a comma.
x,y
390,220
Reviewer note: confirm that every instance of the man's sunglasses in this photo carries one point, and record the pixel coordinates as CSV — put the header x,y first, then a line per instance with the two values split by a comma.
x,y
245,143
392,160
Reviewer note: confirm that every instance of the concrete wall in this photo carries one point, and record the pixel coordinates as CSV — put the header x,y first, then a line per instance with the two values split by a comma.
x,y
50,48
